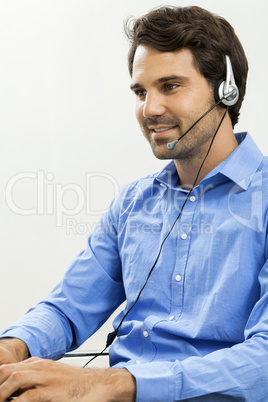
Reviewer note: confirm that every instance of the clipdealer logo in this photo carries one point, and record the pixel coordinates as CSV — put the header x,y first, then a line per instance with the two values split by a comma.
x,y
38,193
51,198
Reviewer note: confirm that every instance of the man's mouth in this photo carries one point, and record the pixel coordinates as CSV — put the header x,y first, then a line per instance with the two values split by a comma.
x,y
161,131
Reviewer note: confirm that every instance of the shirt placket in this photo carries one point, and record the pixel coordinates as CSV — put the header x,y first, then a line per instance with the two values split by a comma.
x,y
183,233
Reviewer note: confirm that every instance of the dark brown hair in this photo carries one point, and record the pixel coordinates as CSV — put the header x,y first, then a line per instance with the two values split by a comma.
x,y
208,36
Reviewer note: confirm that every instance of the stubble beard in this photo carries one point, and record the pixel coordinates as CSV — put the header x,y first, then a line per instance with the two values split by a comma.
x,y
191,147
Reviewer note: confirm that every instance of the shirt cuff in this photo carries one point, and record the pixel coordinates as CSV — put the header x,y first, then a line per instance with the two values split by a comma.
x,y
155,381
30,339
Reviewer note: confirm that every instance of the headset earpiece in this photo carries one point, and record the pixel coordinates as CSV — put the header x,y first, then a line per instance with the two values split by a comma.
x,y
226,90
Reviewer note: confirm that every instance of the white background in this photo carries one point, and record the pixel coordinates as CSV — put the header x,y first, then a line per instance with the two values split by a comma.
x,y
67,117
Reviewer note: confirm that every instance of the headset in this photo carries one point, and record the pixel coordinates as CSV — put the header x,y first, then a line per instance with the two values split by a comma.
x,y
226,95
226,90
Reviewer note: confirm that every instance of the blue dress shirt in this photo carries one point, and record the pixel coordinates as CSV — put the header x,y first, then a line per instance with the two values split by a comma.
x,y
200,329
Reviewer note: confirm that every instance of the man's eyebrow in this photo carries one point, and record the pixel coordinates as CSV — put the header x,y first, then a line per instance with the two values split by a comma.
x,y
170,78
161,81
135,86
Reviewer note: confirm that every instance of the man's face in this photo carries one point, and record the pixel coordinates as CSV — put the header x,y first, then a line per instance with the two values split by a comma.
x,y
171,94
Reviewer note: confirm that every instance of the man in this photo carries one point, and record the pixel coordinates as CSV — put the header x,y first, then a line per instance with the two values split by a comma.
x,y
186,248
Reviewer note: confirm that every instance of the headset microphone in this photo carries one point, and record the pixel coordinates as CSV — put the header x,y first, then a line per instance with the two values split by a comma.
x,y
226,95
171,145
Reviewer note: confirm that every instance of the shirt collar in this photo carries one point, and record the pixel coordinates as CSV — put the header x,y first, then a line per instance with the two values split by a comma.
x,y
242,163
239,167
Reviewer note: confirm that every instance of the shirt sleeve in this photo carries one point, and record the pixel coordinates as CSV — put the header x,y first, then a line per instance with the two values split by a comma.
x,y
88,294
239,373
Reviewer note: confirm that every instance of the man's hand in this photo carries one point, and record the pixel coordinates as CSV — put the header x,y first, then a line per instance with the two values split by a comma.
x,y
12,350
40,380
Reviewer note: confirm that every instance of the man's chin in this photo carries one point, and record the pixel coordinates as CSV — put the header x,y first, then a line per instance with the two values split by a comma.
x,y
161,153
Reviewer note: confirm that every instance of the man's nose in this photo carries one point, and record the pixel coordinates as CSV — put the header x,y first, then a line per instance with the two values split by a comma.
x,y
153,105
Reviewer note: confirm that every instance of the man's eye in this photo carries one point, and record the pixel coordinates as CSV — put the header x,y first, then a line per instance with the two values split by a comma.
x,y
140,93
169,87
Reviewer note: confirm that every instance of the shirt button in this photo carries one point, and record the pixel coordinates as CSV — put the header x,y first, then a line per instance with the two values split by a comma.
x,y
138,362
184,236
192,198
145,334
171,318
178,278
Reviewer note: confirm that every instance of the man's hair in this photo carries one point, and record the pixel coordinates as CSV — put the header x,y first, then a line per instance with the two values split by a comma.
x,y
208,36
